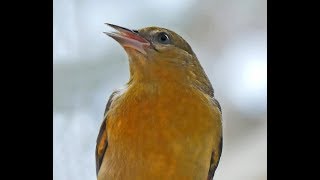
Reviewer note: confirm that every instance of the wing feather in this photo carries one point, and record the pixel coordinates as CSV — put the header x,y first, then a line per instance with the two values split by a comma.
x,y
215,158
102,139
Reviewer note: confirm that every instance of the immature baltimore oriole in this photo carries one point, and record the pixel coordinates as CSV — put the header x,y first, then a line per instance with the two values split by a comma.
x,y
166,124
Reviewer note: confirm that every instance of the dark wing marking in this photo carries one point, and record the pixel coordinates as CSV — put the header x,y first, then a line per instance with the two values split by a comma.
x,y
215,162
102,141
216,102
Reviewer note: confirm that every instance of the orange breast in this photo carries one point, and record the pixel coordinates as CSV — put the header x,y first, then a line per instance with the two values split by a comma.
x,y
163,132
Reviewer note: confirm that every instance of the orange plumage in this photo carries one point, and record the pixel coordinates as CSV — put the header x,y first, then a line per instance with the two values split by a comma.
x,y
166,123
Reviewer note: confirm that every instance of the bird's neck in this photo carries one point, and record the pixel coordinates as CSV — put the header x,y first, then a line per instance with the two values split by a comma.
x,y
157,74
172,81
157,87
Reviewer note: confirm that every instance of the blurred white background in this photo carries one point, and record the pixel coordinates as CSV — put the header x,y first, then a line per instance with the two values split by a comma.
x,y
230,40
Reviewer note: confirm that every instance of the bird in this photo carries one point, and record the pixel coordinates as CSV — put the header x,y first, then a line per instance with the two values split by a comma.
x,y
165,123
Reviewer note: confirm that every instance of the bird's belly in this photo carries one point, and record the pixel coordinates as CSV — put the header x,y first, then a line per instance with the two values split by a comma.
x,y
160,139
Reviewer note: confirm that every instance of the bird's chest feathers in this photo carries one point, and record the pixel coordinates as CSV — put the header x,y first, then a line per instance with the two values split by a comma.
x,y
162,114
167,132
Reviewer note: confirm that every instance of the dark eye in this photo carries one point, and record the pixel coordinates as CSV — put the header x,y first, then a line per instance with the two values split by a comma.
x,y
163,38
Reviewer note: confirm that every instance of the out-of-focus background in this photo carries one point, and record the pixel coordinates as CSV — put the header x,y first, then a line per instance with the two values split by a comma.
x,y
230,40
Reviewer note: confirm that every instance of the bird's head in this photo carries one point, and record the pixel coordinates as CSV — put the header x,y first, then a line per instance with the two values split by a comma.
x,y
159,54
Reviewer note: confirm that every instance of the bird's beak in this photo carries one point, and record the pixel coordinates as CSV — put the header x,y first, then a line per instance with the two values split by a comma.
x,y
128,38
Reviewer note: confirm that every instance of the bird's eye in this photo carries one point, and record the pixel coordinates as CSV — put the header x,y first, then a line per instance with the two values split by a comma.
x,y
163,38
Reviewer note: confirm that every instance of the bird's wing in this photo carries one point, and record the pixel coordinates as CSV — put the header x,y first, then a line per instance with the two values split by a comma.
x,y
102,141
214,161
216,153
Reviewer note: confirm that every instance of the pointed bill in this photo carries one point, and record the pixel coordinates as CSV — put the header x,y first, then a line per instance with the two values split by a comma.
x,y
128,38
